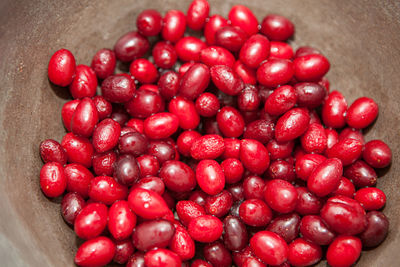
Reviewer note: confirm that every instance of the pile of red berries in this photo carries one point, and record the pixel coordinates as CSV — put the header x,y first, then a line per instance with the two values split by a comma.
x,y
227,149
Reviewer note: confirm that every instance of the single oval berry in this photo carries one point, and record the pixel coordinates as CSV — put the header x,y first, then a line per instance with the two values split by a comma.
x,y
280,195
269,247
161,125
371,198
334,110
174,25
194,81
153,234
84,118
51,151
149,22
61,67
177,176
254,156
292,124
310,68
274,72
118,88
226,80
344,251
254,51
210,176
121,220
277,28
377,154
96,252
205,228
147,204
84,83
362,113
244,18
91,221
209,146
130,46
107,190
53,181
325,178
197,14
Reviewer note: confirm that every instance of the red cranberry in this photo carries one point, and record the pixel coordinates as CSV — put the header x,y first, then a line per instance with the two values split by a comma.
x,y
255,212
314,229
332,137
306,50
106,190
200,263
269,247
231,38
162,150
147,204
121,220
71,206
347,150
78,179
164,55
207,105
260,130
106,135
219,205
52,151
254,156
286,226
306,164
133,143
277,28
314,140
95,252
309,95
91,221
103,63
53,181
210,176
174,26
226,80
377,154
362,113
120,115
334,110
307,202
281,50
197,14
280,195
126,170
248,75
177,176
304,253
144,103
281,100
345,188
168,84
151,183
280,150
61,69
253,187
233,170
67,111
84,83
186,112
103,163
123,250
244,18
274,72
371,198
310,68
325,178
248,99
205,228
236,191
361,174
153,234
131,46
207,147
216,55
149,22
161,125
194,81
182,244
232,148
235,234
118,88
230,122
217,254
162,257
254,51
292,124
376,230
189,48
281,169
344,215
187,210
214,23
84,118
344,251
143,70
104,108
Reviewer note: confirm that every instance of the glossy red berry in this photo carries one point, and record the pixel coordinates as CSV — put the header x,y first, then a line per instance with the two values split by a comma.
x,y
325,178
280,195
310,68
274,72
51,151
214,23
84,83
344,251
362,113
61,67
143,70
371,198
147,204
304,253
107,190
254,51
85,118
269,247
377,154
334,110
194,81
197,14
53,181
281,100
186,112
174,25
244,18
292,124
121,220
153,234
91,221
277,28
130,46
205,228
255,212
96,252
118,88
149,22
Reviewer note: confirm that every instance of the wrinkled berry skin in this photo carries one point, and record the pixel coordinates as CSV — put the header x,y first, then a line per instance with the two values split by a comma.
x,y
61,67
52,151
269,247
209,146
96,252
118,88
344,251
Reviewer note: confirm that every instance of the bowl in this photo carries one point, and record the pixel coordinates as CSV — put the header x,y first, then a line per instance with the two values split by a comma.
x,y
360,38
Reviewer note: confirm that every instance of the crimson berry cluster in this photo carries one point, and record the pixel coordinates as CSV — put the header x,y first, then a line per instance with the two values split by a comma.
x,y
225,149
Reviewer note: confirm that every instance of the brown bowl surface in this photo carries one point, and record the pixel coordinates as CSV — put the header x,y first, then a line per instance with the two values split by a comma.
x,y
360,38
